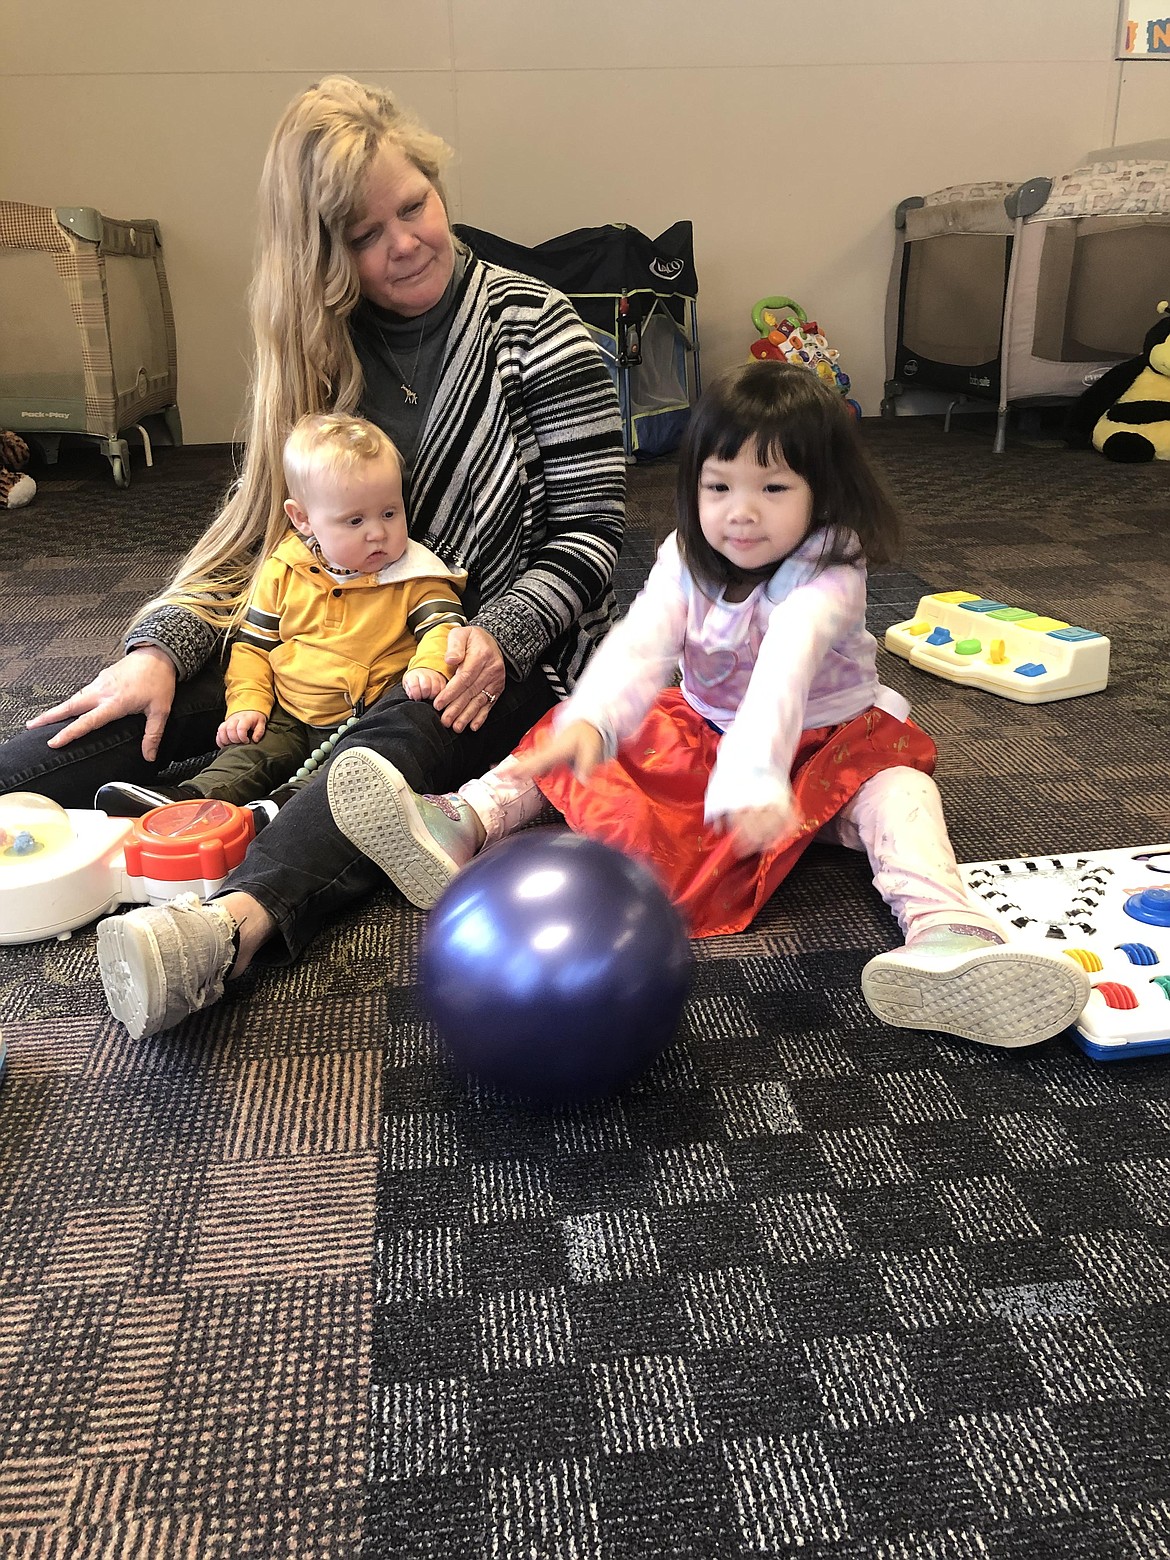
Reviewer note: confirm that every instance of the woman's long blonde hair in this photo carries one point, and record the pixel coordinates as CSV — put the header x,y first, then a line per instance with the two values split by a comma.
x,y
303,291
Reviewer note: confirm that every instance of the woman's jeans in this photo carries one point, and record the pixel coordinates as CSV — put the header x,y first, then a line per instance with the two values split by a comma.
x,y
301,868
72,775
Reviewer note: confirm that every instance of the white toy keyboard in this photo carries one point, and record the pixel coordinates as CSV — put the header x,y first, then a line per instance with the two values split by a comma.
x,y
1012,651
1110,911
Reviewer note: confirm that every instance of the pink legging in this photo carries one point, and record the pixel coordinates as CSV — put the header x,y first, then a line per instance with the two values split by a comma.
x,y
896,818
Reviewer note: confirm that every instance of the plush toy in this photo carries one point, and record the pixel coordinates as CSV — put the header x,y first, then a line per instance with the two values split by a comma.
x,y
1126,413
16,486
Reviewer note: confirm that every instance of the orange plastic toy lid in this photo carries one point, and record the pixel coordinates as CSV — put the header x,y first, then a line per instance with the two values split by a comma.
x,y
189,840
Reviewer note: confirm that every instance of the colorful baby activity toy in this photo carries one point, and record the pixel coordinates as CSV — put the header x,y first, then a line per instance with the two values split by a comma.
x,y
787,335
1012,651
1110,911
61,868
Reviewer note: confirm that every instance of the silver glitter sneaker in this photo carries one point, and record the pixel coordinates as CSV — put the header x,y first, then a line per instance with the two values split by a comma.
x,y
995,994
420,842
163,962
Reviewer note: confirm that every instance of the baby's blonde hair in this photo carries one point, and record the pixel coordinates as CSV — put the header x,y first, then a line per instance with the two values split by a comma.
x,y
332,443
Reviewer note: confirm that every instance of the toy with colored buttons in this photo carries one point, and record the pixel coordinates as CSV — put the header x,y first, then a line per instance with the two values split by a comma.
x,y
1110,912
1012,651
797,340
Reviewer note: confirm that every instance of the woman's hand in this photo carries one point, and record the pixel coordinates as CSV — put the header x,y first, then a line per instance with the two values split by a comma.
x,y
141,683
478,675
579,745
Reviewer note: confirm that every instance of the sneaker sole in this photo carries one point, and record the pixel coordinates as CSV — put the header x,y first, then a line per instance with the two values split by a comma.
x,y
1003,997
374,808
132,975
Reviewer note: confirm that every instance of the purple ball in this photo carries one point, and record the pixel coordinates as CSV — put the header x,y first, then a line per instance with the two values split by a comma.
x,y
554,967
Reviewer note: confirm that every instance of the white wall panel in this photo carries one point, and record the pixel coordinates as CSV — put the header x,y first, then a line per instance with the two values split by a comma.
x,y
786,132
310,37
673,34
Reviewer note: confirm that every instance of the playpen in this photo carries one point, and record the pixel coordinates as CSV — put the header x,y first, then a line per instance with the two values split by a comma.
x,y
1028,292
88,345
637,298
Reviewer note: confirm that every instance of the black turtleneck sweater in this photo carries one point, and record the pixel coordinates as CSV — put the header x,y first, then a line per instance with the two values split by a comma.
x,y
394,351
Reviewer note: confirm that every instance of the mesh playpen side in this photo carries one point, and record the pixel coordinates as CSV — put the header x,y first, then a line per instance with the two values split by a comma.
x,y
1012,293
637,298
88,340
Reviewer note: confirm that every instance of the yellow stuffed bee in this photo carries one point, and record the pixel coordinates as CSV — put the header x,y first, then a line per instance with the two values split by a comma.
x,y
1128,408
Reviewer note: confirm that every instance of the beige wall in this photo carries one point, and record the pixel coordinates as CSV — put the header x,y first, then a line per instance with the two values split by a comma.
x,y
787,132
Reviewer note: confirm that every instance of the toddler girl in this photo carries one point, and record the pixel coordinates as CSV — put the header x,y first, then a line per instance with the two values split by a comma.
x,y
778,733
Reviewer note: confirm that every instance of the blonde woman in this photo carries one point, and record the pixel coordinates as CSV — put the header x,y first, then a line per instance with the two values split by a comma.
x,y
508,427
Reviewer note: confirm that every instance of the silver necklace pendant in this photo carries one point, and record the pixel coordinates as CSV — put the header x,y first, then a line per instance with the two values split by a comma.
x,y
409,394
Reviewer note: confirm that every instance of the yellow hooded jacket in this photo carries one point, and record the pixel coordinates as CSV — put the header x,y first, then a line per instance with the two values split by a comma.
x,y
324,647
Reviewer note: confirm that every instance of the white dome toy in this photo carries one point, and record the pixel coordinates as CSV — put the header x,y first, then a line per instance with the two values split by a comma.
x,y
61,868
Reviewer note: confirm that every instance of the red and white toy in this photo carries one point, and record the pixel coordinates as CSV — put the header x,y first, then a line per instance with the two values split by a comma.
x,y
61,868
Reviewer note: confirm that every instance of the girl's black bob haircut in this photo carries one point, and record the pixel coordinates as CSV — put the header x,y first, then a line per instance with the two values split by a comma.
x,y
784,411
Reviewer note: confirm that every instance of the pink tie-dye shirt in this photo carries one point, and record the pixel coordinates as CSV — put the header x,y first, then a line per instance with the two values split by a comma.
x,y
795,654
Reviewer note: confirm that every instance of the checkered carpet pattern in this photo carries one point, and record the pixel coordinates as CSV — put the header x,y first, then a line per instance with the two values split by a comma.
x,y
280,1283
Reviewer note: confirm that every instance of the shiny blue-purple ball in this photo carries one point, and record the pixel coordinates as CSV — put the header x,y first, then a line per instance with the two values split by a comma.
x,y
554,967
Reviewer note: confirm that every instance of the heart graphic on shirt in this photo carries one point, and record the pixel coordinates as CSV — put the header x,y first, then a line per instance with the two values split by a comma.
x,y
713,667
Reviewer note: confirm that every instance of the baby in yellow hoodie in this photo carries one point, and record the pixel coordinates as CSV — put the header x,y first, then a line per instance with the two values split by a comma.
x,y
346,605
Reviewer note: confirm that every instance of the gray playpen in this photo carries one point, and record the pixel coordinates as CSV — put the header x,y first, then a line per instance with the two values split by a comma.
x,y
1014,293
88,339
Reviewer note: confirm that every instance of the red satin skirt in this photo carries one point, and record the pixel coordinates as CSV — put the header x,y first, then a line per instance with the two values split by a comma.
x,y
648,802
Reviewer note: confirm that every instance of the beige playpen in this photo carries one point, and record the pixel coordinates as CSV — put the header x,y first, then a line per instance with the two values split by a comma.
x,y
88,339
1014,293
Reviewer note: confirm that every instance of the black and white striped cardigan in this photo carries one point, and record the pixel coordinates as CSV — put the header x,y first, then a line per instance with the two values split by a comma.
x,y
519,479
